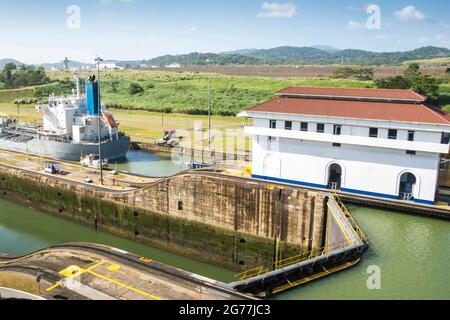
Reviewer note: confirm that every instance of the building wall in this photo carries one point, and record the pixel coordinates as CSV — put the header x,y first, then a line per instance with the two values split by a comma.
x,y
423,133
366,170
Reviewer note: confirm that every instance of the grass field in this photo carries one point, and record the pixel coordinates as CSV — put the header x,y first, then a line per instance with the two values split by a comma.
x,y
428,62
187,92
181,91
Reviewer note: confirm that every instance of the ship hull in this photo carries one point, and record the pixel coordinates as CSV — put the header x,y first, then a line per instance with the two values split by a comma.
x,y
111,150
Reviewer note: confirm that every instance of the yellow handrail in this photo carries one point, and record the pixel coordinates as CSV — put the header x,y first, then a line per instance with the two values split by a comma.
x,y
358,229
252,273
313,253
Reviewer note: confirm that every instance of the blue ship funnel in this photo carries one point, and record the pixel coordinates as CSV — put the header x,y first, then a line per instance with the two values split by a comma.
x,y
92,103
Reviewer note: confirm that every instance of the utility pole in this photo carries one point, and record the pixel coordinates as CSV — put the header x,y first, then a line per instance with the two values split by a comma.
x,y
209,105
18,113
98,60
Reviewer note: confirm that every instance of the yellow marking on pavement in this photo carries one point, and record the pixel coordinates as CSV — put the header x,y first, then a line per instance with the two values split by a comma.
x,y
74,272
53,287
114,267
125,286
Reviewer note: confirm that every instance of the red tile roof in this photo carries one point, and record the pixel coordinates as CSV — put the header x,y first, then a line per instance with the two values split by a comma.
x,y
357,93
384,111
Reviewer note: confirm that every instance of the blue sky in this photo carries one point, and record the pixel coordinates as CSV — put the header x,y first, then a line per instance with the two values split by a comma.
x,y
36,31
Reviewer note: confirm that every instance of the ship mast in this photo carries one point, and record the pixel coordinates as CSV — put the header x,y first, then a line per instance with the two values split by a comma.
x,y
98,60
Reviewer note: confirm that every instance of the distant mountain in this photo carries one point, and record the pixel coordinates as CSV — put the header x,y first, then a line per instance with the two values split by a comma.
x,y
71,64
303,55
329,49
286,55
198,59
244,52
4,62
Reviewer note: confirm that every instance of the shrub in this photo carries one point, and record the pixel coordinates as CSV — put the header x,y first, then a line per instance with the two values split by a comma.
x,y
135,88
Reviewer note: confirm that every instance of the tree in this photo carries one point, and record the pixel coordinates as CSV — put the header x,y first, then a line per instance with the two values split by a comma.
x,y
135,88
426,85
7,74
413,70
397,82
447,71
363,74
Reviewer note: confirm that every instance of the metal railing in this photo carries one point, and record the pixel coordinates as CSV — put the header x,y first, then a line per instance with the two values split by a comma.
x,y
256,272
313,254
309,255
355,225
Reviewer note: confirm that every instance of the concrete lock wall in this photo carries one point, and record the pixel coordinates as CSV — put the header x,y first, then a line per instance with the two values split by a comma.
x,y
214,219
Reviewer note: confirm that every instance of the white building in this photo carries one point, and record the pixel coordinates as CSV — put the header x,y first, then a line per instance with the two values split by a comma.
x,y
382,143
173,66
111,65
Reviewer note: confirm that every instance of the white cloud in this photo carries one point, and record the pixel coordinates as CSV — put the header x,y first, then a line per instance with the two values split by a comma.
x,y
410,13
277,10
354,25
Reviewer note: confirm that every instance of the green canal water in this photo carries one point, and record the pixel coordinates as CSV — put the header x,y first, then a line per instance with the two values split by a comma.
x,y
413,253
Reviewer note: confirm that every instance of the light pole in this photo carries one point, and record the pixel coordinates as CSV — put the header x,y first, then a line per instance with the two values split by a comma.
x,y
98,60
209,104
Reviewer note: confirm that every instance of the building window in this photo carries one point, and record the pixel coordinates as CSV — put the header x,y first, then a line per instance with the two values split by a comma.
x,y
373,133
288,125
337,145
445,138
411,135
392,134
273,124
410,152
304,126
270,140
337,130
320,128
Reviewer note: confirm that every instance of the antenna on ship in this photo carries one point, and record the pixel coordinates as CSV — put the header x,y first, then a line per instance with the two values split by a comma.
x,y
77,82
98,60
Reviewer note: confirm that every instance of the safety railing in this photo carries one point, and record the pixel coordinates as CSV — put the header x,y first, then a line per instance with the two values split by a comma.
x,y
358,236
355,225
309,255
256,272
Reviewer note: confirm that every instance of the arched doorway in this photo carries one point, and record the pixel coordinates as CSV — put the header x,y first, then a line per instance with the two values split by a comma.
x,y
407,184
335,177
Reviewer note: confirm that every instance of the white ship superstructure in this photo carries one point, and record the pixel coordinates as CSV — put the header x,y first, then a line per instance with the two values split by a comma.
x,y
70,128
69,118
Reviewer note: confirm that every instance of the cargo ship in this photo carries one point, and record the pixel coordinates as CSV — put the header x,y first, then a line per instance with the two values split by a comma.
x,y
70,129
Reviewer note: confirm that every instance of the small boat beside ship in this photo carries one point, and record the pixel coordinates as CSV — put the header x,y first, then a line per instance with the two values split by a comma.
x,y
70,129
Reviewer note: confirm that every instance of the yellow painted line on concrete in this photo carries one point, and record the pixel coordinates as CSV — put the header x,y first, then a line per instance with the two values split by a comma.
x,y
125,286
114,267
68,273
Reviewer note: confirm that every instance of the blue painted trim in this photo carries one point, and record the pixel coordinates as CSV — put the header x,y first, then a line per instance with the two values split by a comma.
x,y
320,186
305,184
371,194
430,203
